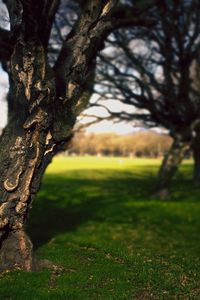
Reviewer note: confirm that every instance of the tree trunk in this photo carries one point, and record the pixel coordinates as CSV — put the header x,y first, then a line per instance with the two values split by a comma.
x,y
170,165
24,157
43,105
196,157
23,161
27,145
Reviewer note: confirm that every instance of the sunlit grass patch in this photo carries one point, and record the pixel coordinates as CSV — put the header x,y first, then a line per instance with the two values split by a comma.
x,y
96,218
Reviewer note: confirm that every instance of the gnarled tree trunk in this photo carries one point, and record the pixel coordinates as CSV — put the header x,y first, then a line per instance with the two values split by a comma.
x,y
43,105
170,165
27,147
24,157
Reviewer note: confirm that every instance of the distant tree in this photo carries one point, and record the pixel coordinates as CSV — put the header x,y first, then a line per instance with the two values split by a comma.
x,y
154,70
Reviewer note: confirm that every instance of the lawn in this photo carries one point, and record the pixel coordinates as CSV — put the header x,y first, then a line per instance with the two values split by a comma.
x,y
97,219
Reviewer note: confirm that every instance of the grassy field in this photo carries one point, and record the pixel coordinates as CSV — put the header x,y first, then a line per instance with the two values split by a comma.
x,y
96,218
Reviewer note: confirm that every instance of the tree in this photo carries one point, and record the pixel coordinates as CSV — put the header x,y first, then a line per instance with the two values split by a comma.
x,y
45,99
153,69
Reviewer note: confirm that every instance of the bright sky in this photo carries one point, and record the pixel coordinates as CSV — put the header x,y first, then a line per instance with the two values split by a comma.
x,y
3,104
109,126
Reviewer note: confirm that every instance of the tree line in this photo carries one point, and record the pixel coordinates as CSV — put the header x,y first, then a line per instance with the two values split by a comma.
x,y
140,144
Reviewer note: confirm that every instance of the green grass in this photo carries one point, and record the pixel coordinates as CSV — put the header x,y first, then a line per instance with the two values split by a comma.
x,y
96,217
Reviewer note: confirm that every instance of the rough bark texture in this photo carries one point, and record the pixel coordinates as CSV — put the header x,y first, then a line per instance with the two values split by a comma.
x,y
43,106
26,149
170,165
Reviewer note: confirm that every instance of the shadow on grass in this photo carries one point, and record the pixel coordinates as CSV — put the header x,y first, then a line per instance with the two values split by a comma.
x,y
68,200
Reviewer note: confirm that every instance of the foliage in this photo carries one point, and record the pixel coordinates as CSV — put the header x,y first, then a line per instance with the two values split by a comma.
x,y
114,241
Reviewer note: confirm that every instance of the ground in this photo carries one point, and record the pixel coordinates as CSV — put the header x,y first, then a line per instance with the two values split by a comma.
x,y
96,218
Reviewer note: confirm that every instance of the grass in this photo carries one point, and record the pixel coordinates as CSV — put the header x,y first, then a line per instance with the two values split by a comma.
x,y
95,217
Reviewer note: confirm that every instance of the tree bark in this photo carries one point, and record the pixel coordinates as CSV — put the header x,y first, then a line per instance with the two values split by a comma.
x,y
170,165
26,149
39,126
24,158
43,106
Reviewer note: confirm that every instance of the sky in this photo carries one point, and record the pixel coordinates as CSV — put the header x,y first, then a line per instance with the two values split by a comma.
x,y
3,104
3,77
